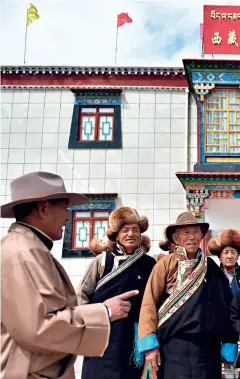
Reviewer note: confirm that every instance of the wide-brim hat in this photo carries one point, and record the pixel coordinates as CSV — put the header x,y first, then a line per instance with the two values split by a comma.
x,y
38,186
185,219
226,238
122,216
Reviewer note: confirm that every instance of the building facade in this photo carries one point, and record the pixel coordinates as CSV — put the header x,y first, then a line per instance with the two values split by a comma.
x,y
161,140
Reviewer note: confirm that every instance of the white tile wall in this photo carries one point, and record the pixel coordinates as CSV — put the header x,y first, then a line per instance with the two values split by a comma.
x,y
130,155
163,111
153,144
146,155
130,125
19,110
35,125
98,156
4,155
130,170
162,140
114,156
35,128
19,125
5,125
193,129
37,96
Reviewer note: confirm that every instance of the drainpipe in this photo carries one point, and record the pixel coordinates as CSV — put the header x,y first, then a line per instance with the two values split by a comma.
x,y
187,113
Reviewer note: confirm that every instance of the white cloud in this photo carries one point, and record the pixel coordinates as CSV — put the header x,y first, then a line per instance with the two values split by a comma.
x,y
83,33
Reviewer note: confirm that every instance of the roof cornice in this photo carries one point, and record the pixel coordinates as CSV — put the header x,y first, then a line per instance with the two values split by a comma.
x,y
94,70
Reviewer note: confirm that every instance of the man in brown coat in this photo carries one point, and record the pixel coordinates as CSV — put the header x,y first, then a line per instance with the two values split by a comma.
x,y
42,328
184,321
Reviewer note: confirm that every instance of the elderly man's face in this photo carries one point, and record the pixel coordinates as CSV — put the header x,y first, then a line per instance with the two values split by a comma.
x,y
129,237
56,216
188,237
229,257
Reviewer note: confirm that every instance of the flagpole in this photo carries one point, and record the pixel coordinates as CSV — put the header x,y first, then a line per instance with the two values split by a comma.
x,y
116,45
25,47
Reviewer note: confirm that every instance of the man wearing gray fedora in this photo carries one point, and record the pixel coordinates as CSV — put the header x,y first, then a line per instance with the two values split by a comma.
x,y
42,328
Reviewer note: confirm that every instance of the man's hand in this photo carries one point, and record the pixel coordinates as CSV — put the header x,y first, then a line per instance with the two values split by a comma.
x,y
119,306
153,357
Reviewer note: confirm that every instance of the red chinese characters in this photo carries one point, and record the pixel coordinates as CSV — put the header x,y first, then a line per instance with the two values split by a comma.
x,y
221,33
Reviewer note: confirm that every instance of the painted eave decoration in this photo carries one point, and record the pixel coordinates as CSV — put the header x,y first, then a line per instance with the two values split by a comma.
x,y
96,198
205,74
212,179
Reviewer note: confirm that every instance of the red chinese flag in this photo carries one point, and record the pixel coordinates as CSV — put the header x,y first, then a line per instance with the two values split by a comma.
x,y
122,19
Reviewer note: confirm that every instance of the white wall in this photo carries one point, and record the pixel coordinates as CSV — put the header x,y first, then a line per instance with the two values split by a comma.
x,y
35,128
35,131
223,213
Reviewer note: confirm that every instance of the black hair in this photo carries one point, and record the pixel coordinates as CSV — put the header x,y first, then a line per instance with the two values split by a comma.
x,y
23,210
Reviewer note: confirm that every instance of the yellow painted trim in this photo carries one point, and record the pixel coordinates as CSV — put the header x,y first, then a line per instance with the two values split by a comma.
x,y
222,159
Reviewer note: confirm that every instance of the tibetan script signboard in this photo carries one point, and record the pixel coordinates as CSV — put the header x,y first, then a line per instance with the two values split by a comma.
x,y
221,33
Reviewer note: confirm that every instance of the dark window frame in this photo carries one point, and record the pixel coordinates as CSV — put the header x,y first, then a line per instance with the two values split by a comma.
x,y
97,202
91,220
116,143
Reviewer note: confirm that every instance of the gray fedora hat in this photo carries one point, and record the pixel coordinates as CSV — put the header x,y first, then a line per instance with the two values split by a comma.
x,y
37,186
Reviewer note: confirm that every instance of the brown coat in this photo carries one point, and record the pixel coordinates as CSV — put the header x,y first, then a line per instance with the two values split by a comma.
x,y
41,322
89,282
163,277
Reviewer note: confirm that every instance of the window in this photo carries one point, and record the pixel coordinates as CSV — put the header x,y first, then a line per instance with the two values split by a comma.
x,y
222,122
87,225
86,222
96,124
96,120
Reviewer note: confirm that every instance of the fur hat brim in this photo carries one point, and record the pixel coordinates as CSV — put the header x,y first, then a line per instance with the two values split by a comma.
x,y
165,245
97,246
226,238
123,216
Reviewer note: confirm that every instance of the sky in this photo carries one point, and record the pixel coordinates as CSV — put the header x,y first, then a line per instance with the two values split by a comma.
x,y
83,33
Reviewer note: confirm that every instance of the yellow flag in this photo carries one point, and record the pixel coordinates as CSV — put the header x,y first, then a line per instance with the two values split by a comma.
x,y
32,14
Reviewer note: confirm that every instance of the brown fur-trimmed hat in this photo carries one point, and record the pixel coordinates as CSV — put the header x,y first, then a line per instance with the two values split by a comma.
x,y
97,246
165,244
122,216
226,238
145,242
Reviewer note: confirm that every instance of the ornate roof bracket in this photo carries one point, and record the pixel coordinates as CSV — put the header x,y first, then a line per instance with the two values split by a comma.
x,y
213,185
202,90
195,201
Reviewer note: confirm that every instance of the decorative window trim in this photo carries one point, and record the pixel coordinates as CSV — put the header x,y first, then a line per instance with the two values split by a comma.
x,y
102,99
97,202
211,158
96,115
96,102
91,220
